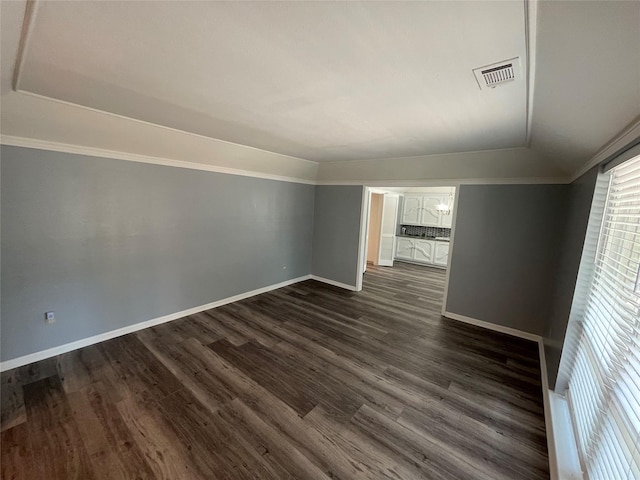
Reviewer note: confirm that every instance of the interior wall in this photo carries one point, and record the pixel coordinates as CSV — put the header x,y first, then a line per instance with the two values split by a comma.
x,y
108,243
375,224
336,233
399,214
505,254
580,197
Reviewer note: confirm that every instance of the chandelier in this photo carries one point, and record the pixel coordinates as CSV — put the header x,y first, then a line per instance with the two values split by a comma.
x,y
445,208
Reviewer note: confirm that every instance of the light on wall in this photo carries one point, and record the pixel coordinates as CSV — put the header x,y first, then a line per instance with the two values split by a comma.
x,y
445,208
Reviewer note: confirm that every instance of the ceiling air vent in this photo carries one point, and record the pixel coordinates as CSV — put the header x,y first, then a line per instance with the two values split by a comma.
x,y
491,76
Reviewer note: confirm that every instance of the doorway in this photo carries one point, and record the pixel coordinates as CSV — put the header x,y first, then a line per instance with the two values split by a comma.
x,y
375,224
383,217
410,228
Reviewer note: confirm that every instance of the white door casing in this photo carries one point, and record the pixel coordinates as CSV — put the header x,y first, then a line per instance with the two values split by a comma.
x,y
367,212
388,229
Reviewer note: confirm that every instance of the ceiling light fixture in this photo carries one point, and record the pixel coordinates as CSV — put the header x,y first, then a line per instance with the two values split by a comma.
x,y
445,208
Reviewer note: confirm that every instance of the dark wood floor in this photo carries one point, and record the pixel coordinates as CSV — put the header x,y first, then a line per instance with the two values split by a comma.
x,y
308,381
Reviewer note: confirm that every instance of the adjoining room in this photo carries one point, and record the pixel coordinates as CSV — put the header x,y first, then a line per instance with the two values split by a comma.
x,y
409,227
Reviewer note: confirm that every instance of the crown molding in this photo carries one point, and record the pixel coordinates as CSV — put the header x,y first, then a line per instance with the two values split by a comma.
x,y
620,142
134,157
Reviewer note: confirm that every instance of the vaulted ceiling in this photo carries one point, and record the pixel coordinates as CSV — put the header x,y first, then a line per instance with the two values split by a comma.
x,y
587,77
340,81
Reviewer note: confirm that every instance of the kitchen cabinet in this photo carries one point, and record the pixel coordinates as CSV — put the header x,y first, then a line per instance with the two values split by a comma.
x,y
428,252
429,214
423,251
446,221
441,254
422,209
411,209
404,248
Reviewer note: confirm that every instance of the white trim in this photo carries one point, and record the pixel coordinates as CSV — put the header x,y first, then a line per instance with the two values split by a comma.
x,y
552,446
134,157
492,326
548,423
334,283
31,9
450,181
85,342
362,240
365,252
530,22
625,138
382,191
564,440
386,263
454,214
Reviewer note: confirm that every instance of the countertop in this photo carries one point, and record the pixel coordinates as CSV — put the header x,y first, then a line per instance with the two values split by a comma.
x,y
423,238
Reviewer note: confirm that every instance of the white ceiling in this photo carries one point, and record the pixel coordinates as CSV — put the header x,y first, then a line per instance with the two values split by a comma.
x,y
387,85
316,80
587,81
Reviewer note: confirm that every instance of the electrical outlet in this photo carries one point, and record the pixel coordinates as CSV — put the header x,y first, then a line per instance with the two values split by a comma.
x,y
49,318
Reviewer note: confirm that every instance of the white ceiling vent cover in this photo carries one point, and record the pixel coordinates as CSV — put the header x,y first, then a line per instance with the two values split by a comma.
x,y
496,74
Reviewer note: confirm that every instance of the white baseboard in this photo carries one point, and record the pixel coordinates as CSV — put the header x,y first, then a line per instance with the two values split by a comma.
x,y
51,352
554,468
85,342
134,157
492,326
334,283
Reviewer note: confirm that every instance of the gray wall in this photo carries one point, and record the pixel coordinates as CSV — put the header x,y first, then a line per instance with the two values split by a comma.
x,y
505,253
108,243
580,197
336,233
399,221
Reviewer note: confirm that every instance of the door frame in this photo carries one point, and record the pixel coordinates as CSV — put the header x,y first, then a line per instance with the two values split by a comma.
x,y
454,215
393,247
363,244
365,211
364,225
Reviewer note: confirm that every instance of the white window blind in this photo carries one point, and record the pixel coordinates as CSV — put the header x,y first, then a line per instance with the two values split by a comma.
x,y
604,381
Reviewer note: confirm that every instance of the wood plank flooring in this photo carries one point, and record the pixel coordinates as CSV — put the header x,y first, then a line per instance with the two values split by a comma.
x,y
308,382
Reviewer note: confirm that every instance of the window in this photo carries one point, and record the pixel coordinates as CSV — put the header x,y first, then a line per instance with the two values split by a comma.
x,y
604,380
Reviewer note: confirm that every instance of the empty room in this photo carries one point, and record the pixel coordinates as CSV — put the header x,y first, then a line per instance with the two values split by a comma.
x,y
320,240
